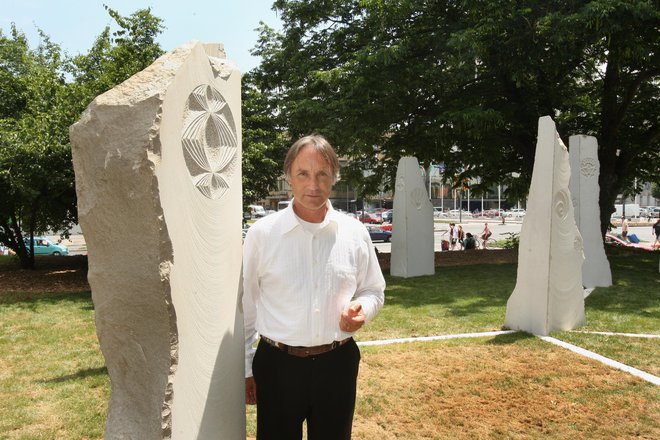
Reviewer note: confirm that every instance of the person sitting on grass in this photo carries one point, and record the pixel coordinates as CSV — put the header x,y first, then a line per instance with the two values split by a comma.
x,y
469,242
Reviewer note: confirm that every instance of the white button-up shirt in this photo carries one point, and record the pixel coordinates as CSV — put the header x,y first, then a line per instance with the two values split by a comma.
x,y
296,283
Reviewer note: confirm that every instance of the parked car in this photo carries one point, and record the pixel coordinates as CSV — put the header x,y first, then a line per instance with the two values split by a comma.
x,y
43,246
516,212
379,234
365,217
387,215
257,211
618,241
654,211
437,212
457,212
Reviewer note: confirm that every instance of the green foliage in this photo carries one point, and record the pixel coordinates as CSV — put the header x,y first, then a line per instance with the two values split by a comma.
x,y
464,83
512,240
43,92
264,145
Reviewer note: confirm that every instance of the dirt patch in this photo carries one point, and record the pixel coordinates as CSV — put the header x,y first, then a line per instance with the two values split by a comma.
x,y
522,390
51,274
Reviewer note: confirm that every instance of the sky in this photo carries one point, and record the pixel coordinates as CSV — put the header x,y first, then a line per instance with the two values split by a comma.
x,y
75,24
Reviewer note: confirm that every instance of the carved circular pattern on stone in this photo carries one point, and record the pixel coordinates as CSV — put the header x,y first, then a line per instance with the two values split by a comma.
x,y
561,204
209,140
588,167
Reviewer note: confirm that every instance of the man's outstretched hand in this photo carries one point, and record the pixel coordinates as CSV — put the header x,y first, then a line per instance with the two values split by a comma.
x,y
352,318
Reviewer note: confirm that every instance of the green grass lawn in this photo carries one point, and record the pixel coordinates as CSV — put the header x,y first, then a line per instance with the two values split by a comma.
x,y
53,384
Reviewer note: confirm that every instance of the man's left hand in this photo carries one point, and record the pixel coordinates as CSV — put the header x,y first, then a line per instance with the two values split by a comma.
x,y
352,318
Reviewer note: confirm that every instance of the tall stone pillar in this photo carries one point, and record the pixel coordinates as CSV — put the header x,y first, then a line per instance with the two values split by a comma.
x,y
158,178
413,250
548,295
585,169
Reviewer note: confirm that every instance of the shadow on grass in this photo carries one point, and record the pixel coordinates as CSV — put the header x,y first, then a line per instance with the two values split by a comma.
x,y
31,300
81,374
511,338
636,285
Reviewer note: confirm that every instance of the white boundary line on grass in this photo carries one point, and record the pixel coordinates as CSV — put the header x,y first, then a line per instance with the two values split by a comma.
x,y
607,361
630,335
574,348
436,338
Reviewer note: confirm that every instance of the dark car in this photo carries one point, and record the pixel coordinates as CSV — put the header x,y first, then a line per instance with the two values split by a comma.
x,y
379,234
387,216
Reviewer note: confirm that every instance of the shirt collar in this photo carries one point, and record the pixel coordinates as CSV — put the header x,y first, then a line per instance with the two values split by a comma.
x,y
290,220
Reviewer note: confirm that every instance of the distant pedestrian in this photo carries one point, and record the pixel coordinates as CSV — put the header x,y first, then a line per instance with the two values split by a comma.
x,y
656,230
485,235
461,236
470,242
624,228
453,236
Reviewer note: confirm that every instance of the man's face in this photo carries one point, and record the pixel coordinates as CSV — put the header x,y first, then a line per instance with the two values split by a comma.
x,y
311,180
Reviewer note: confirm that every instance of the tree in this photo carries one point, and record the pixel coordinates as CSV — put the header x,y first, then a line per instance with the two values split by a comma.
x,y
38,106
264,144
464,83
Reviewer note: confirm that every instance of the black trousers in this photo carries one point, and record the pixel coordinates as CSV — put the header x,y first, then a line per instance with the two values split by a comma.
x,y
319,389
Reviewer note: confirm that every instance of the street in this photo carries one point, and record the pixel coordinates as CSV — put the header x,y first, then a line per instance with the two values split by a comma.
x,y
499,230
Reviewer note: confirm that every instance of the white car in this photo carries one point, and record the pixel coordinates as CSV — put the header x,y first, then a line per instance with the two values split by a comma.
x,y
457,213
516,212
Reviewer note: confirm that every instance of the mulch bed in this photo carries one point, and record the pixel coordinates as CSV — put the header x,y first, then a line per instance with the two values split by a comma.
x,y
51,274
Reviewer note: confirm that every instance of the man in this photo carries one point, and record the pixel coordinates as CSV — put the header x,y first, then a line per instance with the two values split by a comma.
x,y
656,231
624,228
311,279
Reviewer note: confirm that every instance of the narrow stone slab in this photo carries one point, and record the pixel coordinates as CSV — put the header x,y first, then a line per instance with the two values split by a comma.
x,y
548,294
158,178
412,229
585,169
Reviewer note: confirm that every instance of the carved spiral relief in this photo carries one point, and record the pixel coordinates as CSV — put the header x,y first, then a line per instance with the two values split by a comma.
x,y
209,141
561,204
588,167
417,197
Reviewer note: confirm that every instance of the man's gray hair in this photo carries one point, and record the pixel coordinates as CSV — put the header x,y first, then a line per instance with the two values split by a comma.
x,y
321,145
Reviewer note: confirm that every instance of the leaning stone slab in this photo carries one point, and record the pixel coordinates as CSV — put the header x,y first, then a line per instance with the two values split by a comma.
x,y
158,178
412,229
585,169
548,295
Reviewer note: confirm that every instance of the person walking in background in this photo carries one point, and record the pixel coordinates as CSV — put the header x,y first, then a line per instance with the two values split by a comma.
x,y
656,230
306,293
485,235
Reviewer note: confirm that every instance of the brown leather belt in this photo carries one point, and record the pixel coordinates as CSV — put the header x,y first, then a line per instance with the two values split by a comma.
x,y
305,351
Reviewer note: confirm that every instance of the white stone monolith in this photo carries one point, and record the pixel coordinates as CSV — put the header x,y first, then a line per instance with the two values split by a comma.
x,y
158,177
413,251
548,295
585,169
